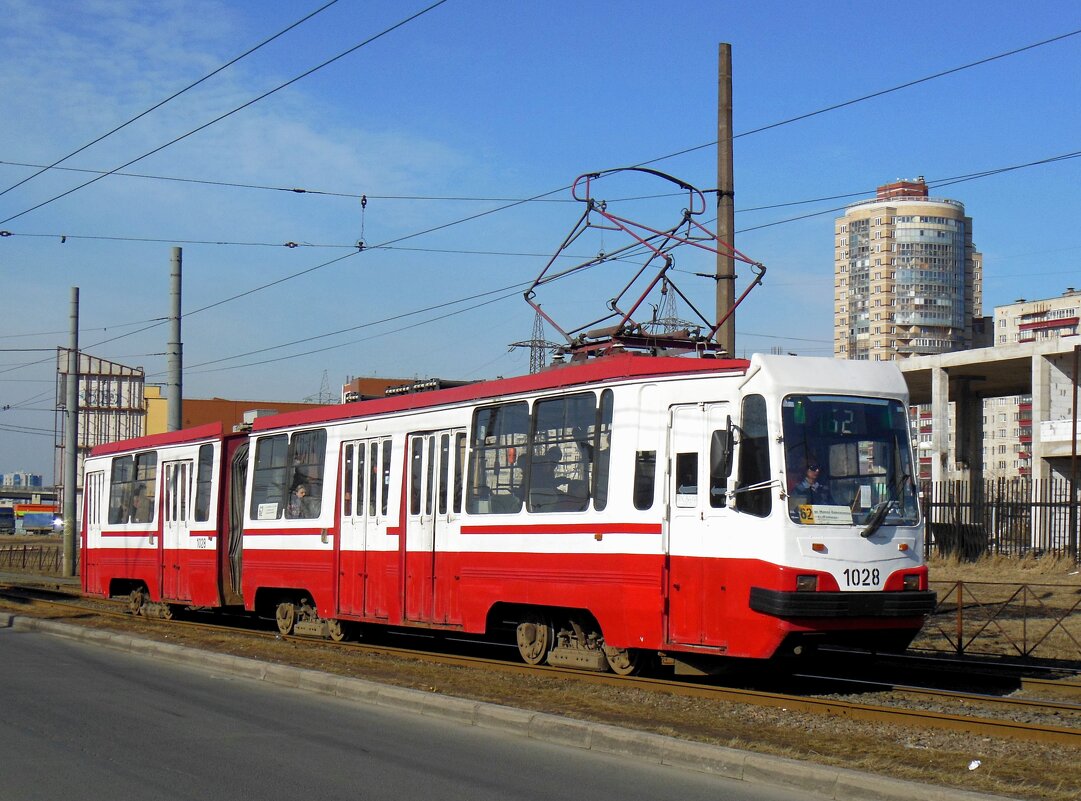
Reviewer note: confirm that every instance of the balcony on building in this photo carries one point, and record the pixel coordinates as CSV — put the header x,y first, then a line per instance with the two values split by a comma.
x,y
1055,438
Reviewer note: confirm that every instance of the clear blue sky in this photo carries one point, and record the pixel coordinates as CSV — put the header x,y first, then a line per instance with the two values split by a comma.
x,y
481,100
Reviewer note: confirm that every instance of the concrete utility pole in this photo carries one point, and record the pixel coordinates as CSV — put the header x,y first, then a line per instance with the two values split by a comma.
x,y
175,350
1073,457
726,224
71,438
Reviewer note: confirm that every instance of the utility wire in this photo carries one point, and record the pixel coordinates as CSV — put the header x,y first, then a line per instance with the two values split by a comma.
x,y
545,194
37,432
299,191
510,288
117,171
158,321
943,182
278,88
171,97
362,339
871,96
85,330
934,183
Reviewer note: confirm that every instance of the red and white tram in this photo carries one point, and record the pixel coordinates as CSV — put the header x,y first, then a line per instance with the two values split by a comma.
x,y
598,512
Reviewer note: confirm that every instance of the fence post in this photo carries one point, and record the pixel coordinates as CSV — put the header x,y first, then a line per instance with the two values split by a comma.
x,y
960,618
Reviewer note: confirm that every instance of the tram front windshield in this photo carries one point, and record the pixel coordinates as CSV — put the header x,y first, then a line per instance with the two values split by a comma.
x,y
848,461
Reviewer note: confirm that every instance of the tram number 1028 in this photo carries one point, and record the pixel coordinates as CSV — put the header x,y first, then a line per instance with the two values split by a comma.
x,y
861,577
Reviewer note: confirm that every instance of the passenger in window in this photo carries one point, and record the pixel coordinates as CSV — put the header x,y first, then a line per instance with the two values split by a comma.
x,y
584,443
544,493
301,505
544,468
814,488
139,511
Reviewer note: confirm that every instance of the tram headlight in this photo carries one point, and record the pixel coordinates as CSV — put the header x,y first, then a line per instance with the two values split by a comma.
x,y
806,583
912,581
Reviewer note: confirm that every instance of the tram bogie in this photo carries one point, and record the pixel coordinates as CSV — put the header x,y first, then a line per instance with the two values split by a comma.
x,y
600,513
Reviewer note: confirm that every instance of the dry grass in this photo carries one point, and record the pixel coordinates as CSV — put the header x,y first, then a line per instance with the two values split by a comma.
x,y
1006,606
1026,569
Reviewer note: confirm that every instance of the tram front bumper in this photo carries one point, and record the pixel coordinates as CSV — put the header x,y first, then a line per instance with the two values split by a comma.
x,y
780,603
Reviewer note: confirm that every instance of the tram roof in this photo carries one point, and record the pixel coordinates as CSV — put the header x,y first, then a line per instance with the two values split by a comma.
x,y
206,431
607,368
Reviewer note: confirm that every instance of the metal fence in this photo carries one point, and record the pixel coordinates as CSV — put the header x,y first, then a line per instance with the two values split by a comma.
x,y
1003,516
28,558
998,619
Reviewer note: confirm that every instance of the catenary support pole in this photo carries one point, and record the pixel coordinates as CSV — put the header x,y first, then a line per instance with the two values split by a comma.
x,y
726,221
1073,458
71,439
175,350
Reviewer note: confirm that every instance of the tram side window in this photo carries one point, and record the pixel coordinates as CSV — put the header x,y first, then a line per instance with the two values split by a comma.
x,y
565,437
144,489
444,471
282,467
347,479
645,475
269,480
132,487
754,459
120,486
416,470
498,458
307,455
386,477
602,452
378,477
202,483
375,480
459,465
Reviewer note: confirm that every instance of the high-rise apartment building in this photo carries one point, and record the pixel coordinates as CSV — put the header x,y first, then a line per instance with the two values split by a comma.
x,y
907,280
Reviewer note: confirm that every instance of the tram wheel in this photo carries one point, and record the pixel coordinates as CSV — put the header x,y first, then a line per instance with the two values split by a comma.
x,y
624,661
136,601
337,630
285,616
535,638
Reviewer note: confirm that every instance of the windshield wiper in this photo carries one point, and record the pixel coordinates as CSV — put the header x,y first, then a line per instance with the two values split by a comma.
x,y
877,517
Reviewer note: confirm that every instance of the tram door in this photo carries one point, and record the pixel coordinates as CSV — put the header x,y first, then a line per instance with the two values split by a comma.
x,y
696,524
94,502
366,564
176,520
434,506
93,505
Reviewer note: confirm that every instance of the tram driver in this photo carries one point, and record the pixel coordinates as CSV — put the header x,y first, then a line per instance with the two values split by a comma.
x,y
813,488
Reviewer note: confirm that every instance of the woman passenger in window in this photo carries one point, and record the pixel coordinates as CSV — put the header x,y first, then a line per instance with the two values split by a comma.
x,y
301,505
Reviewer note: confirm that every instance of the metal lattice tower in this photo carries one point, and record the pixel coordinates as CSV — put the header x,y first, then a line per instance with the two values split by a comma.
x,y
666,319
538,345
324,396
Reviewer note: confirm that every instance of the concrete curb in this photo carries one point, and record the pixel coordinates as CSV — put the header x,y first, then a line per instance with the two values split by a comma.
x,y
839,784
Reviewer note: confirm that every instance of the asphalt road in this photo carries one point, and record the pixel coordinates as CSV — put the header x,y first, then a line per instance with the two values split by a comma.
x,y
79,721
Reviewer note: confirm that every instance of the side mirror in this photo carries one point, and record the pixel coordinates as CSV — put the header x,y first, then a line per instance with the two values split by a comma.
x,y
720,451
